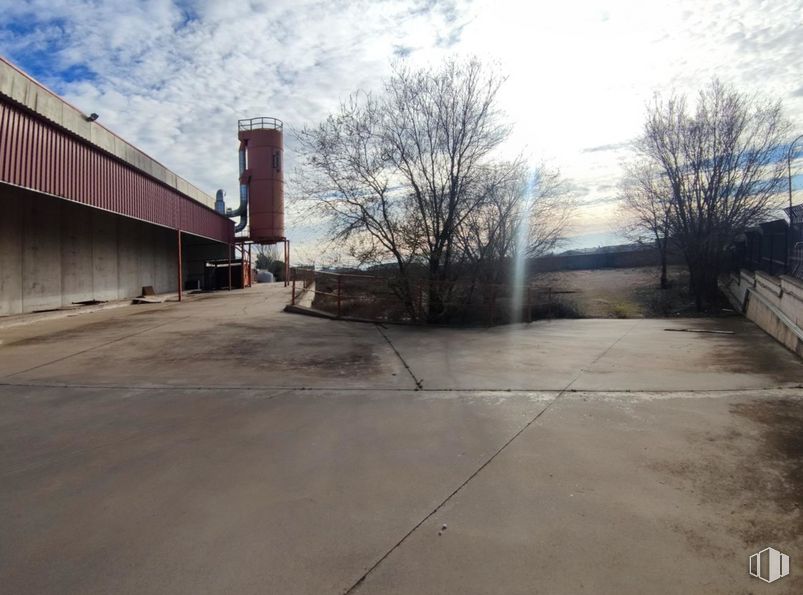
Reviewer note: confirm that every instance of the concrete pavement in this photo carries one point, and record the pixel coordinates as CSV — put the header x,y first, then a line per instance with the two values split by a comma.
x,y
221,445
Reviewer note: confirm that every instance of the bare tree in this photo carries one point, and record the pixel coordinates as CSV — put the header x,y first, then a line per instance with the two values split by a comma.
x,y
442,125
723,164
407,175
348,179
547,210
646,199
525,209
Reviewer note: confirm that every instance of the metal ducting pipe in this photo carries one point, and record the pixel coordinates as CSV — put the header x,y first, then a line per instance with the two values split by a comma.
x,y
242,210
220,202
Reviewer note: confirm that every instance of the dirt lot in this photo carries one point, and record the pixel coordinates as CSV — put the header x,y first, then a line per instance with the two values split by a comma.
x,y
621,293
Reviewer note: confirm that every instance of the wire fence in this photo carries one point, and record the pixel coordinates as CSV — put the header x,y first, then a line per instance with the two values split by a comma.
x,y
395,299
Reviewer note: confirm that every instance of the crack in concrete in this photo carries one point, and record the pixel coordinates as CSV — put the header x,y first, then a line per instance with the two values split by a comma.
x,y
356,585
499,391
584,369
419,384
476,472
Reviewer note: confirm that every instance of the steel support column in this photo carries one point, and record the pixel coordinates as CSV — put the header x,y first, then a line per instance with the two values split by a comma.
x,y
229,257
180,272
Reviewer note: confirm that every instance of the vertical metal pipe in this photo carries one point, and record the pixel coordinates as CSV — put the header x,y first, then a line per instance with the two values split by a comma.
x,y
229,254
293,298
286,262
180,272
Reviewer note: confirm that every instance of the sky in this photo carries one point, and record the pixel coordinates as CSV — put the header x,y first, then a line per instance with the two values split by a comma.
x,y
174,77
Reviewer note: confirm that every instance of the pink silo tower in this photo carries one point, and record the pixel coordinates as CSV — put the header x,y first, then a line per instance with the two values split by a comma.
x,y
262,178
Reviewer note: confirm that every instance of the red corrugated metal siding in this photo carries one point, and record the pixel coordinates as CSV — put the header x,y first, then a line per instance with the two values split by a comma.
x,y
38,155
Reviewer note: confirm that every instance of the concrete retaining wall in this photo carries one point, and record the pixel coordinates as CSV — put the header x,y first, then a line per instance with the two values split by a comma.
x,y
54,253
773,303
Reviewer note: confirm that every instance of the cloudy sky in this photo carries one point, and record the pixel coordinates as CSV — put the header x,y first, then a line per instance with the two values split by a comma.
x,y
173,77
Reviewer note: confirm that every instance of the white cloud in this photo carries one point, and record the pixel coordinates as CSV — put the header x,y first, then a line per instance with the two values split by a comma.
x,y
174,77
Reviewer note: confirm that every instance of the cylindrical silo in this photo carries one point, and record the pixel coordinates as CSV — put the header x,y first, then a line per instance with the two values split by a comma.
x,y
261,177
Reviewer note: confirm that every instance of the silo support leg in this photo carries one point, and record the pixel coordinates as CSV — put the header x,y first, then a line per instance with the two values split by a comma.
x,y
286,263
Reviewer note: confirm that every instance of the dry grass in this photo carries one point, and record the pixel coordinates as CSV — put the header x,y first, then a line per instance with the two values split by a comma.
x,y
598,293
622,293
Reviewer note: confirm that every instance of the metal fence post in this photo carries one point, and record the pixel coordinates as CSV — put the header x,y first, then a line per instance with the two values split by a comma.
x,y
493,305
339,279
293,298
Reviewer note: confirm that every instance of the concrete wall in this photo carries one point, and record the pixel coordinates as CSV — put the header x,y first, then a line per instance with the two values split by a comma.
x,y
54,253
773,303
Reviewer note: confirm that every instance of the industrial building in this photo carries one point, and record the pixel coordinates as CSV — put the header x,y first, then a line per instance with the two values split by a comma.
x,y
86,216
